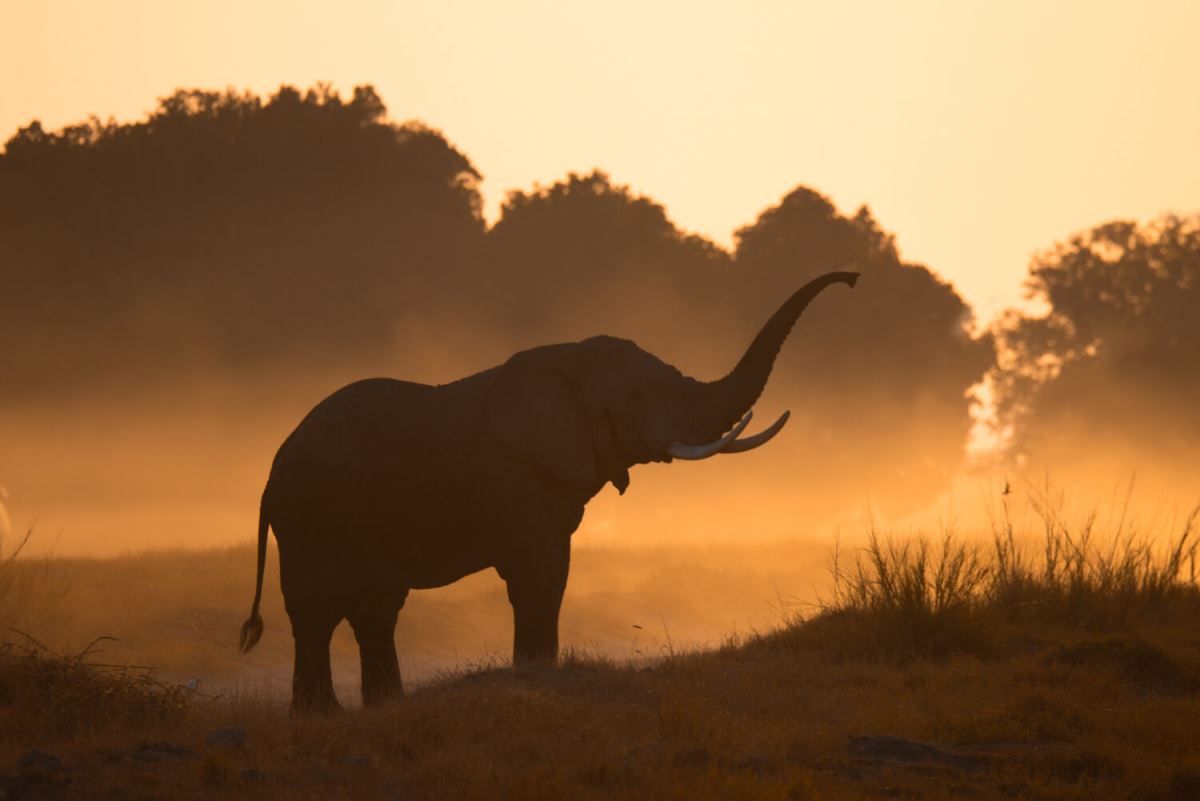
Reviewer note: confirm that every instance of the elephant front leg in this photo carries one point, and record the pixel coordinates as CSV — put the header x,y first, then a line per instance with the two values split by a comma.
x,y
535,590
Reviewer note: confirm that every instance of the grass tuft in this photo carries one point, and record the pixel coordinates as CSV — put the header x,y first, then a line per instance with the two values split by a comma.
x,y
912,598
1089,687
49,695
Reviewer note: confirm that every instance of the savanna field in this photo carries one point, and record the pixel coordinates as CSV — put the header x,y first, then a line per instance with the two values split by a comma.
x,y
1058,664
536,257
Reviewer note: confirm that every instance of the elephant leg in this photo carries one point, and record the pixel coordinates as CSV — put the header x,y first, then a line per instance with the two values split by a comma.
x,y
535,590
375,629
312,679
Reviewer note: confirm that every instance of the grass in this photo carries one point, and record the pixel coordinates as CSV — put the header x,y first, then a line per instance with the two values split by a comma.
x,y
913,598
937,669
58,697
11,579
32,592
180,611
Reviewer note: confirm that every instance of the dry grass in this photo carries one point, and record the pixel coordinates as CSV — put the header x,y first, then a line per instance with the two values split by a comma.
x,y
911,598
54,697
180,611
936,671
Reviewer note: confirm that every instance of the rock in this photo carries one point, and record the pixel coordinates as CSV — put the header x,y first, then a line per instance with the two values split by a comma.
x,y
396,790
356,761
108,756
253,776
909,752
159,752
322,776
758,765
232,737
37,761
693,758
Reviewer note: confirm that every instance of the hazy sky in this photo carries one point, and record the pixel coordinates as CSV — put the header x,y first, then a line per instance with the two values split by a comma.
x,y
978,132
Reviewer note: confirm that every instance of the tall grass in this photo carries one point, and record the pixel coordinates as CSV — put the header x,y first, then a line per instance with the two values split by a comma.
x,y
32,593
10,589
1079,581
46,694
914,597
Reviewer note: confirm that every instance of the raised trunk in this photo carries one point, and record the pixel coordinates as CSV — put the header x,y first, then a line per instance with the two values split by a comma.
x,y
726,400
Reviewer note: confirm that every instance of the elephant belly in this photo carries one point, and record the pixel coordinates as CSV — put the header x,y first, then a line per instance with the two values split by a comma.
x,y
389,529
406,536
387,483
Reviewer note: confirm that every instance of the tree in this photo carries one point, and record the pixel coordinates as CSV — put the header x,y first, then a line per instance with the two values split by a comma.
x,y
226,230
885,372
585,256
1110,368
877,379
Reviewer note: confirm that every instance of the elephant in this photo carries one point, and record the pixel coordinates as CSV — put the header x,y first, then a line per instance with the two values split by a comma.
x,y
387,486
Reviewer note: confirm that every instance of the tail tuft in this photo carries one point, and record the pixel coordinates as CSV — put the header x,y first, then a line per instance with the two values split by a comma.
x,y
252,630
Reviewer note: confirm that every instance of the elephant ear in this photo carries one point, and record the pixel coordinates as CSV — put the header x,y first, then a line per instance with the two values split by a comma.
x,y
535,407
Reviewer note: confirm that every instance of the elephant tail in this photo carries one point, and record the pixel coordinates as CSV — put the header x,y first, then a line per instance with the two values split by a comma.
x,y
252,629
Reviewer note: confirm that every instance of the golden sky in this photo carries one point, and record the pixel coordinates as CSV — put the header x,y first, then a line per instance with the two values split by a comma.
x,y
978,132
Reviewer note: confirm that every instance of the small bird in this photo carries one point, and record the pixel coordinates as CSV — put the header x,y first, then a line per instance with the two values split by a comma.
x,y
193,684
1006,490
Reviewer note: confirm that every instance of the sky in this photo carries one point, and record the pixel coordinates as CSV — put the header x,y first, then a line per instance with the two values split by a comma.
x,y
979,133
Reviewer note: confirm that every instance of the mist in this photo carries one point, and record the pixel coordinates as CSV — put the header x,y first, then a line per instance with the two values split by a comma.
x,y
184,289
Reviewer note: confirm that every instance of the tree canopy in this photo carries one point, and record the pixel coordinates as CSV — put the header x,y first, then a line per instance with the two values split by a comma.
x,y
227,229
584,256
1112,362
884,372
300,231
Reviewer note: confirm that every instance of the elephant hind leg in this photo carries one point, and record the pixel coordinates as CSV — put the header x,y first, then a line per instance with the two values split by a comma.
x,y
312,679
374,625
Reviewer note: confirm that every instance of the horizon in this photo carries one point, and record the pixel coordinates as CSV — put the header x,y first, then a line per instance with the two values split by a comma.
x,y
939,119
799,398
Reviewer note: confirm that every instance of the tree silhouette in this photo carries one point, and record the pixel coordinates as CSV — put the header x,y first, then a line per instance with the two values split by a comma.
x,y
300,233
227,230
1111,365
584,256
886,370
879,376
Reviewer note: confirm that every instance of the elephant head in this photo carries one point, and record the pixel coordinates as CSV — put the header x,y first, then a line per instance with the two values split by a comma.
x,y
586,412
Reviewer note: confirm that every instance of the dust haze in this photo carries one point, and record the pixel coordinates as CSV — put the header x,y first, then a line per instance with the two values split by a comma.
x,y
181,290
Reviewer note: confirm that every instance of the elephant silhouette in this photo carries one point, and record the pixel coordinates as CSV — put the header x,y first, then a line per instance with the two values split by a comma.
x,y
388,486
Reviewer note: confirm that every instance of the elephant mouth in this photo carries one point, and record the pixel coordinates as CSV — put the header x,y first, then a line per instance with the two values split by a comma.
x,y
730,442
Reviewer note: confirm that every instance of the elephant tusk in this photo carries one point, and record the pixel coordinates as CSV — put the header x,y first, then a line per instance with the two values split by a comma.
x,y
681,451
761,438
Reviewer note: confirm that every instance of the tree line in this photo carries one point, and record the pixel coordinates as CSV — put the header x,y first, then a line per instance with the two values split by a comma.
x,y
261,236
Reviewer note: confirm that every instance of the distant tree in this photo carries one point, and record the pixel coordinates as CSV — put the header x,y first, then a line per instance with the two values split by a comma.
x,y
882,375
225,228
1112,364
585,256
877,378
299,231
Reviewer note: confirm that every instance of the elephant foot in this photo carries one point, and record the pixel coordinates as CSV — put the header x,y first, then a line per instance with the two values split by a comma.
x,y
536,660
377,696
319,706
